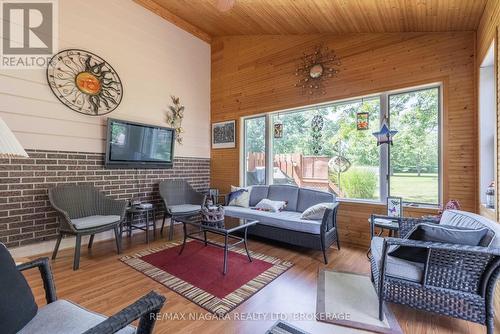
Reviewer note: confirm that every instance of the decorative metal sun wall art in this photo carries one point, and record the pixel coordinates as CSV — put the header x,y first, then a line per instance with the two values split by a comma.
x,y
84,82
315,68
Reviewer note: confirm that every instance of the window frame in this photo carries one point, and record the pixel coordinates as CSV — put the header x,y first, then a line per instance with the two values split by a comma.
x,y
384,163
439,88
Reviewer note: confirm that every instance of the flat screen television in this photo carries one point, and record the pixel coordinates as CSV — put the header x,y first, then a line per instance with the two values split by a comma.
x,y
137,145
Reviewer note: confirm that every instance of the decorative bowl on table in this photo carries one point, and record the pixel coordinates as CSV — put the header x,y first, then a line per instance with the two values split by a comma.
x,y
212,216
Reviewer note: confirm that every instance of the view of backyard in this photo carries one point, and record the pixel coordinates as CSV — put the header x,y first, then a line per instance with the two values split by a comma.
x,y
323,148
424,188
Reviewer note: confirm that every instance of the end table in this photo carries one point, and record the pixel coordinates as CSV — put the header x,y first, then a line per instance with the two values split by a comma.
x,y
142,213
384,223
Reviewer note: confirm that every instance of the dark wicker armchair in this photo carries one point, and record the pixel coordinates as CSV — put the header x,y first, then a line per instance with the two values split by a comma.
x,y
84,210
61,316
456,280
180,199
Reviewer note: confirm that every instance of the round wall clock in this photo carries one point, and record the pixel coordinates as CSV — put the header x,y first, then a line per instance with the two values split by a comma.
x,y
84,82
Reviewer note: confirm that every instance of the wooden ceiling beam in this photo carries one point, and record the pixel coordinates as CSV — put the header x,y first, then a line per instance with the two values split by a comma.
x,y
174,19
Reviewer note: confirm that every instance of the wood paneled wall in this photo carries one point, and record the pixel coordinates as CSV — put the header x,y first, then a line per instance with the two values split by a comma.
x,y
487,28
487,32
255,74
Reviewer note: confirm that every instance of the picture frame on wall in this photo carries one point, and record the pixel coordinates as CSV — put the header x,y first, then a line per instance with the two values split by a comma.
x,y
224,134
395,206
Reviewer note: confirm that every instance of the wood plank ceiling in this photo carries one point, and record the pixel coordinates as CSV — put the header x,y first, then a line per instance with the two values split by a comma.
x,y
262,17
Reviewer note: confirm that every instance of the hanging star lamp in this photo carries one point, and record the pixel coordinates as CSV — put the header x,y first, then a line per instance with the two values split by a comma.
x,y
385,135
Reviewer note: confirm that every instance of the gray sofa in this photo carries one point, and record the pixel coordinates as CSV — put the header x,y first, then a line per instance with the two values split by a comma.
x,y
456,280
287,226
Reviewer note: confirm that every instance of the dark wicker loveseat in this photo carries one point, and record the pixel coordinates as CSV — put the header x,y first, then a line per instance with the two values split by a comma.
x,y
456,280
287,226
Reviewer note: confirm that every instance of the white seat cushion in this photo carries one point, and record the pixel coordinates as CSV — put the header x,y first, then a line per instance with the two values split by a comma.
x,y
289,220
94,221
395,267
64,317
184,209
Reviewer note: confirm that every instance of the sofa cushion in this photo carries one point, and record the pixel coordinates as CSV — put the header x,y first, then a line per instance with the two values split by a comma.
x,y
17,304
94,221
473,221
257,194
63,317
437,233
316,211
239,196
396,267
285,193
310,197
272,206
289,220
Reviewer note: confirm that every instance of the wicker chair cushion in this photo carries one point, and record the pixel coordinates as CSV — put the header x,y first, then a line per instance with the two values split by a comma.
x,y
396,267
285,219
184,209
94,221
64,317
473,221
289,194
437,233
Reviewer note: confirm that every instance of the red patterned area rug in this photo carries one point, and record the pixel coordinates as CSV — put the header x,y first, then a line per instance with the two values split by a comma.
x,y
196,274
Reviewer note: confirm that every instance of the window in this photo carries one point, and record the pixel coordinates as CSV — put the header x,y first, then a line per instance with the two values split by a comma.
x,y
338,157
255,150
414,157
322,147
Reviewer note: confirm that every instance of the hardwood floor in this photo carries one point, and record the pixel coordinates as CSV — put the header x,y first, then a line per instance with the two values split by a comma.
x,y
104,284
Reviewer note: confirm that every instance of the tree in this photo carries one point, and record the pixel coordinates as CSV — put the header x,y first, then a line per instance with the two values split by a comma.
x,y
415,116
255,135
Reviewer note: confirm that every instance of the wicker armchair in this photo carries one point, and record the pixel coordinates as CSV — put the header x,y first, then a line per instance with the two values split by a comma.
x,y
60,316
84,210
456,280
180,199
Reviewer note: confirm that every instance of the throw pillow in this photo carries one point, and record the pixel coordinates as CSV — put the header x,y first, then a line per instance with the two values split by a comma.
x,y
437,233
17,305
239,197
268,205
316,212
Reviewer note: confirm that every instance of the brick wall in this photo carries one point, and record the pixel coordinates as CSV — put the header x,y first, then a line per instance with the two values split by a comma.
x,y
25,213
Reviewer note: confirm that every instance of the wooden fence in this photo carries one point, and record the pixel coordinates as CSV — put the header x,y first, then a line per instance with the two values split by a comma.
x,y
304,170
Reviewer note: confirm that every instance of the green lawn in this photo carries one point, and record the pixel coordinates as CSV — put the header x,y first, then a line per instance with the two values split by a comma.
x,y
414,188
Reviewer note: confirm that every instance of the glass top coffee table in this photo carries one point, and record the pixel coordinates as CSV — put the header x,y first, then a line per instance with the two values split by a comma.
x,y
225,228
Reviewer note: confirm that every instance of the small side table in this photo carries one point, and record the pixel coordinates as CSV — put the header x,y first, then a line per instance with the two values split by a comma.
x,y
150,217
384,223
390,224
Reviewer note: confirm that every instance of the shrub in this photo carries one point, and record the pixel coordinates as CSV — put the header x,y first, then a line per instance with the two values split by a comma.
x,y
359,182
